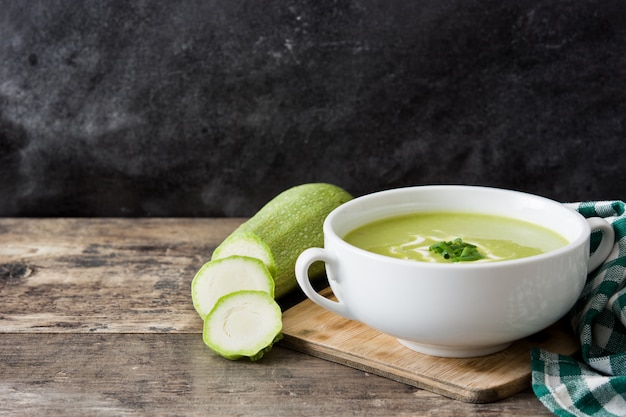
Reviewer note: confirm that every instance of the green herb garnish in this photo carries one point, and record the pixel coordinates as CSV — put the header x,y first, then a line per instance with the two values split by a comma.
x,y
457,250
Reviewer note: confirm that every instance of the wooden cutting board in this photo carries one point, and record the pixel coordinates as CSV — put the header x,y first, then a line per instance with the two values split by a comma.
x,y
313,330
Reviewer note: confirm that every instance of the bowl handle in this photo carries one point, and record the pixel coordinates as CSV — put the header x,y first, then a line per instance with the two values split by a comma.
x,y
303,263
606,244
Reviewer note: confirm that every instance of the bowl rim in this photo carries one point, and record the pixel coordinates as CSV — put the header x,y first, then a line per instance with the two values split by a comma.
x,y
330,233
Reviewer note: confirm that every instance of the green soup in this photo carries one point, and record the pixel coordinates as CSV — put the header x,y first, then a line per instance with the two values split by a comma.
x,y
497,238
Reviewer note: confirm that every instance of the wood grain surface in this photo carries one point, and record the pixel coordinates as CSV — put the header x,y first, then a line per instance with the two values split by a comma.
x,y
96,320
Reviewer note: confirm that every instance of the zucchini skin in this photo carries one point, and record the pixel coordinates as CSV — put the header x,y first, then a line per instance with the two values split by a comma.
x,y
287,225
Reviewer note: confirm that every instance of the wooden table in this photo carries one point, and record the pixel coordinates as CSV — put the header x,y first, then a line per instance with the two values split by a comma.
x,y
97,320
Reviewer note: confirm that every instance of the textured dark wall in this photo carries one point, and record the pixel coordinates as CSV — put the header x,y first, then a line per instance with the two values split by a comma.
x,y
210,108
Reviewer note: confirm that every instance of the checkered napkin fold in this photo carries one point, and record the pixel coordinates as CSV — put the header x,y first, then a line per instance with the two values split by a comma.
x,y
593,384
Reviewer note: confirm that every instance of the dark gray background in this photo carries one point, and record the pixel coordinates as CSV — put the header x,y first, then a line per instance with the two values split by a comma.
x,y
210,108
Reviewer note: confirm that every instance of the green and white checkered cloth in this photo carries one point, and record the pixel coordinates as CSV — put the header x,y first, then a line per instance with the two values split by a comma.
x,y
593,384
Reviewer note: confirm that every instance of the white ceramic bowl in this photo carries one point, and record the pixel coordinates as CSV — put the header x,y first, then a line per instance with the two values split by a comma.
x,y
461,309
